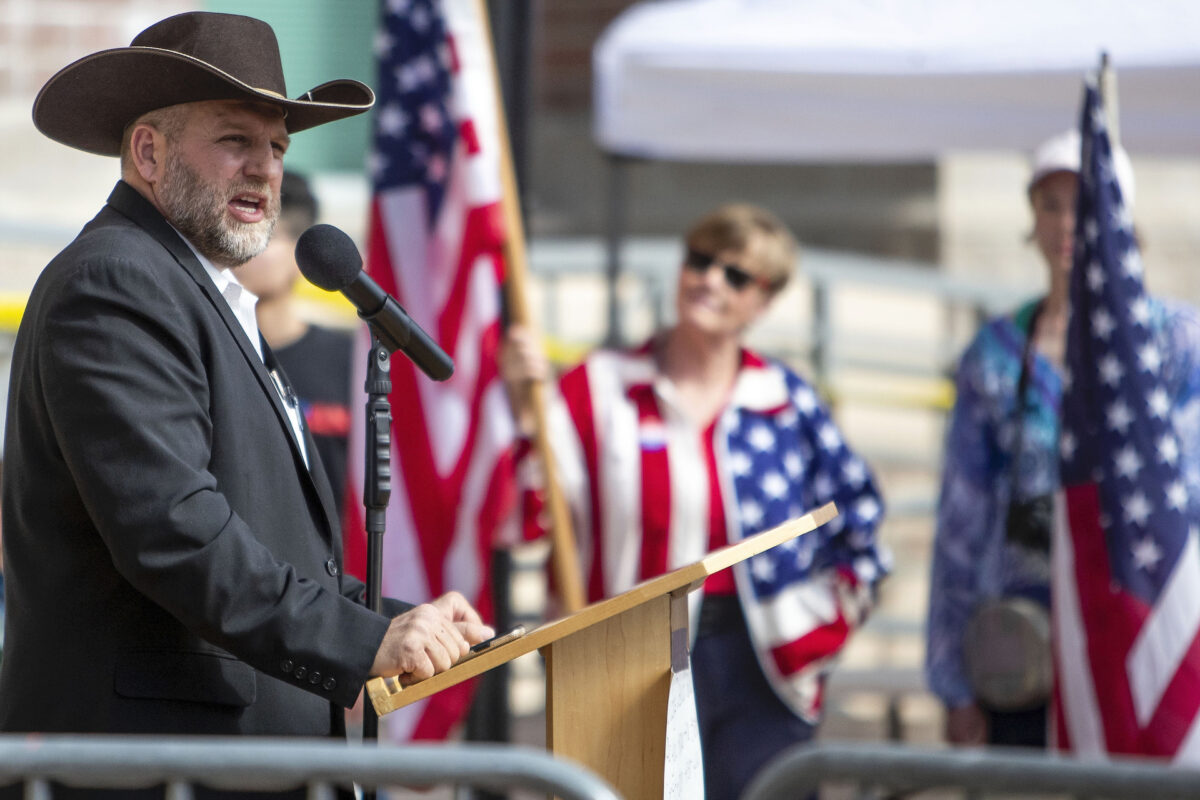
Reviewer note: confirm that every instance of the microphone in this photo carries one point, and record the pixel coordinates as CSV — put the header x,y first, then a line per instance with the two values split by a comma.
x,y
329,259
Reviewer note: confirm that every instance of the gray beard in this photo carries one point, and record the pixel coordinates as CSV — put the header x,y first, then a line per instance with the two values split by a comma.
x,y
197,210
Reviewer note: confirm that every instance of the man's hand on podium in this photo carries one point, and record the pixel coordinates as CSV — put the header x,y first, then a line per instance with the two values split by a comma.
x,y
429,639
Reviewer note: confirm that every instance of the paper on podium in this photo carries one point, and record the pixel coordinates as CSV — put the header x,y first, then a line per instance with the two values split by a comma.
x,y
389,694
683,765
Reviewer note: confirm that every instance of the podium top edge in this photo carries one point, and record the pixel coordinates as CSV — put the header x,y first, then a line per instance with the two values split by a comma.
x,y
739,551
690,576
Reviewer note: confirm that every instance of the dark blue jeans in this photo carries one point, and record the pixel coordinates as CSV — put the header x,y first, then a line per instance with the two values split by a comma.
x,y
1017,728
743,724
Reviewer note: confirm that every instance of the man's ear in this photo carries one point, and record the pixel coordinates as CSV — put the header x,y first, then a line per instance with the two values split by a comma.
x,y
147,151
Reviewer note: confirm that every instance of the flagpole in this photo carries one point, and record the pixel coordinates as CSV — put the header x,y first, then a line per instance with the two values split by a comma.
x,y
563,555
1108,94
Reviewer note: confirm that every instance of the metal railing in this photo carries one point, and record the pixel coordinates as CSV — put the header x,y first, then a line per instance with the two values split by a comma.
x,y
128,762
801,770
652,263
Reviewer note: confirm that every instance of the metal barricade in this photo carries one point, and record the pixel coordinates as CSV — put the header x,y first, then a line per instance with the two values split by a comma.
x,y
128,762
799,772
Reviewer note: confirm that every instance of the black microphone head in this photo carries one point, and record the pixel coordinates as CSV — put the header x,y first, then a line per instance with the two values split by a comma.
x,y
328,257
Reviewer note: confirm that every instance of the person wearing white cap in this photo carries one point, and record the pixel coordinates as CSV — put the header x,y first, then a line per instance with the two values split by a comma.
x,y
987,654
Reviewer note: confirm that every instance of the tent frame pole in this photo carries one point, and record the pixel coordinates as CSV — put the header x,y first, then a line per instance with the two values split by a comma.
x,y
617,198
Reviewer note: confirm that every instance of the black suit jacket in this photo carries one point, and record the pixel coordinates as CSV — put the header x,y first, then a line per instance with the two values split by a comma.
x,y
171,564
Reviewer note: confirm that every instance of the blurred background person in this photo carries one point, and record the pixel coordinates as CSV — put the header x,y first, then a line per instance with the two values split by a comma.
x,y
316,358
691,442
988,631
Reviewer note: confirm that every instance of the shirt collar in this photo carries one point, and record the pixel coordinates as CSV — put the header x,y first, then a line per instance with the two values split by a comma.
x,y
760,385
241,302
240,299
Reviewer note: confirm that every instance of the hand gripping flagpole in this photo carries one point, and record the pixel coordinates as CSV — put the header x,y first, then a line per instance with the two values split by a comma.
x,y
564,558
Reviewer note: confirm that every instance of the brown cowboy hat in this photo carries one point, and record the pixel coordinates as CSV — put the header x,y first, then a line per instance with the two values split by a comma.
x,y
185,58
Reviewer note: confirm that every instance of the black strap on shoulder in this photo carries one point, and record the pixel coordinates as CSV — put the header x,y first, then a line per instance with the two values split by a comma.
x,y
1020,405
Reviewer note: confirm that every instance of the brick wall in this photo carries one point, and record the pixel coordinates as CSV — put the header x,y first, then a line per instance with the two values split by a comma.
x,y
564,33
39,37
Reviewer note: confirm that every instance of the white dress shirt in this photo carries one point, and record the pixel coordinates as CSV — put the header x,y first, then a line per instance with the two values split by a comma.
x,y
242,302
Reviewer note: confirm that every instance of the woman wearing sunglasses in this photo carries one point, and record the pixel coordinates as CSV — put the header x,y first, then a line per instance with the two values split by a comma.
x,y
691,442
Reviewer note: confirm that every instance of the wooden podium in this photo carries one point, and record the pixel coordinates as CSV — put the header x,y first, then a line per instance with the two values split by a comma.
x,y
609,668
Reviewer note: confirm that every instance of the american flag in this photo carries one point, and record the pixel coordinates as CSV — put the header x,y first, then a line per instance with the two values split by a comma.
x,y
809,593
1126,568
648,488
435,241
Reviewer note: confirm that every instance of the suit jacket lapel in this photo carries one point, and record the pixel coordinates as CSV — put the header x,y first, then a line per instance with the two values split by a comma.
x,y
319,478
129,202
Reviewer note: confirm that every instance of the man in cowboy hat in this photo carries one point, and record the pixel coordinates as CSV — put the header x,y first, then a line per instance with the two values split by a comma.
x,y
171,549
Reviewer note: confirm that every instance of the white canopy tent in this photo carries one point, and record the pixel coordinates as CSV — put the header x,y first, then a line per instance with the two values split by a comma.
x,y
792,81
887,80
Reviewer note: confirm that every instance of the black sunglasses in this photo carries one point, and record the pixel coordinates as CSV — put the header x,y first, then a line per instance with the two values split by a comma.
x,y
737,278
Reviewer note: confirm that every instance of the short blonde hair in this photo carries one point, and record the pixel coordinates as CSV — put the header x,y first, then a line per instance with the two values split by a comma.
x,y
732,226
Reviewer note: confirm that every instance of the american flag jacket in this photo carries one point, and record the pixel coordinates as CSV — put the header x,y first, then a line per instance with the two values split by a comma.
x,y
636,472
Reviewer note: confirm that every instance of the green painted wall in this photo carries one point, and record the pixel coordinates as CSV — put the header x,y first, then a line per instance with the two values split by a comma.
x,y
319,41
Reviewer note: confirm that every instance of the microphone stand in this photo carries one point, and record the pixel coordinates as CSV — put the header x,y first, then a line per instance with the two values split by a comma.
x,y
386,338
377,491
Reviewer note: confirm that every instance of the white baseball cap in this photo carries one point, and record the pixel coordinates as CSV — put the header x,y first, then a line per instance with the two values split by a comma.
x,y
1061,154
